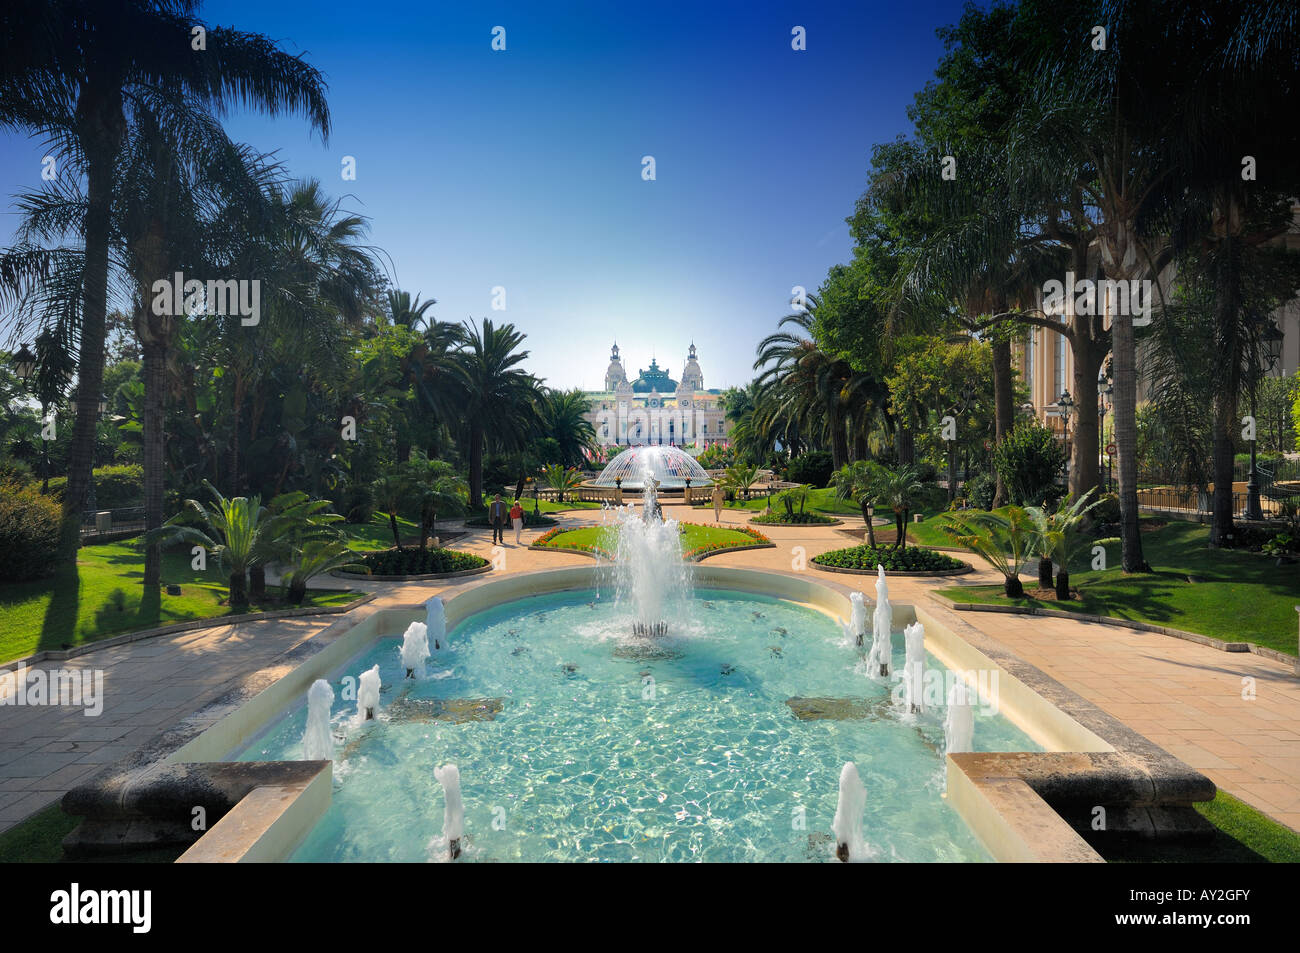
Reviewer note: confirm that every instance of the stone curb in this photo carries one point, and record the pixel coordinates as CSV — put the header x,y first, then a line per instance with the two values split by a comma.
x,y
212,623
1206,640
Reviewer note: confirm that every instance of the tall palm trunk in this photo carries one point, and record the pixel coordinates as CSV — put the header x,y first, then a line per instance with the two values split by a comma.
x,y
1124,363
476,468
1229,386
102,127
1085,445
1003,409
153,356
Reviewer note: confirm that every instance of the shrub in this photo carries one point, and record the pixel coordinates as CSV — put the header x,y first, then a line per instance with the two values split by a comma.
x,y
1107,509
356,503
813,467
415,562
913,559
794,519
980,490
1029,459
115,487
29,533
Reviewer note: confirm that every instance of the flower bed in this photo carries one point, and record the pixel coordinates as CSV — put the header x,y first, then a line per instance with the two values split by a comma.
x,y
545,542
699,551
419,562
912,559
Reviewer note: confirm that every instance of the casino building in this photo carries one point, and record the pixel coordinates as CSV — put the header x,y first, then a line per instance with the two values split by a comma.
x,y
653,409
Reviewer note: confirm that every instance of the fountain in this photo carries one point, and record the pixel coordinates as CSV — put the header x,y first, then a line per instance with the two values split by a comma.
x,y
856,628
651,576
847,825
882,621
317,743
959,725
415,649
453,812
435,623
668,466
368,695
914,667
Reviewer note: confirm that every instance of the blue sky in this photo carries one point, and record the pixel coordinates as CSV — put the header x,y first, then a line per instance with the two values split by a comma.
x,y
522,168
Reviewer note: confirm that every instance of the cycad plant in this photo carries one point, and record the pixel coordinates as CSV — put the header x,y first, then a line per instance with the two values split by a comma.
x,y
560,479
1005,538
795,495
1059,538
739,478
315,557
239,532
435,488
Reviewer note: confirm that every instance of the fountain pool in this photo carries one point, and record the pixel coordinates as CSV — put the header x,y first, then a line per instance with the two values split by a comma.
x,y
577,741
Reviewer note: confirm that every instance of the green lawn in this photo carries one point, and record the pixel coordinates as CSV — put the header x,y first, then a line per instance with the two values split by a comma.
x,y
694,537
819,501
101,596
925,533
1242,597
377,534
1244,835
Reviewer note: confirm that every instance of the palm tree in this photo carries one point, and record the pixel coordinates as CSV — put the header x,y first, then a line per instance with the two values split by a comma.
x,y
560,479
1005,538
739,478
407,313
75,71
860,481
498,399
897,489
390,494
435,487
564,420
314,558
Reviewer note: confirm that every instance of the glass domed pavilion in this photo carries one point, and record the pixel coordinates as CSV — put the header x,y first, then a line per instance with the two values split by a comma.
x,y
671,466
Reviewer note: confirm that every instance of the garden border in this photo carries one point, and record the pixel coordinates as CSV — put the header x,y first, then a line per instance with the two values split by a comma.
x,y
1207,640
212,622
834,521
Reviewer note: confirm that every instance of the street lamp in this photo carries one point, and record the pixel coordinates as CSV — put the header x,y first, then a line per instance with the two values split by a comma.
x,y
24,363
1066,403
1104,390
1271,339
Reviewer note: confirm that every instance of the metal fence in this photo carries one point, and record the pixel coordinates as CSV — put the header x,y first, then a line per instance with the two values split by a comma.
x,y
100,525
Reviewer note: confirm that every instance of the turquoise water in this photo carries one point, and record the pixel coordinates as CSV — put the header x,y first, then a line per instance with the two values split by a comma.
x,y
614,749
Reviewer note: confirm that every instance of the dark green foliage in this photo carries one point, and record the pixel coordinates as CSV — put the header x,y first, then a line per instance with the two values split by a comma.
x,y
913,559
29,533
793,518
415,562
1029,460
813,467
980,489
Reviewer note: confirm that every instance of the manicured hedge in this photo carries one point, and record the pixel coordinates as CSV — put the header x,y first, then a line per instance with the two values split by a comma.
x,y
29,533
911,559
796,519
418,562
115,487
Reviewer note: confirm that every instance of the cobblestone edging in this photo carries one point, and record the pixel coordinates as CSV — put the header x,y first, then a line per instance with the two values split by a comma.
x,y
1206,640
211,623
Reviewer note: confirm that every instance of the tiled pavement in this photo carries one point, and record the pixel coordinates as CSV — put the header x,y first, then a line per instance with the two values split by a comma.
x,y
1187,698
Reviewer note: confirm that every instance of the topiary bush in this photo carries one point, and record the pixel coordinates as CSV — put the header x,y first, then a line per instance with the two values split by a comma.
x,y
813,467
29,533
911,559
795,519
417,562
1029,460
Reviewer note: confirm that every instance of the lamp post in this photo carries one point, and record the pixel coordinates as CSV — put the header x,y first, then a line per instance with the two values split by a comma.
x,y
1261,363
1066,403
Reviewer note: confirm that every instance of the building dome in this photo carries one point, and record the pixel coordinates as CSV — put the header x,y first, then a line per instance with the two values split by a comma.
x,y
671,466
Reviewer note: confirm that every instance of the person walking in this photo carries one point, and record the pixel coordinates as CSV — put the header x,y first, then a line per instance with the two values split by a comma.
x,y
497,517
718,499
517,519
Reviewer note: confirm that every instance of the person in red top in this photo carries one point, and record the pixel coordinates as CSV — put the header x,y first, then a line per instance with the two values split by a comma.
x,y
517,519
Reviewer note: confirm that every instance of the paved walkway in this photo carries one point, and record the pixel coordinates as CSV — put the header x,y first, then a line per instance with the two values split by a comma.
x,y
1185,697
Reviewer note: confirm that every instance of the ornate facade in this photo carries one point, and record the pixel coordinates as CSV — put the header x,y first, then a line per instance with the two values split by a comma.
x,y
654,409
